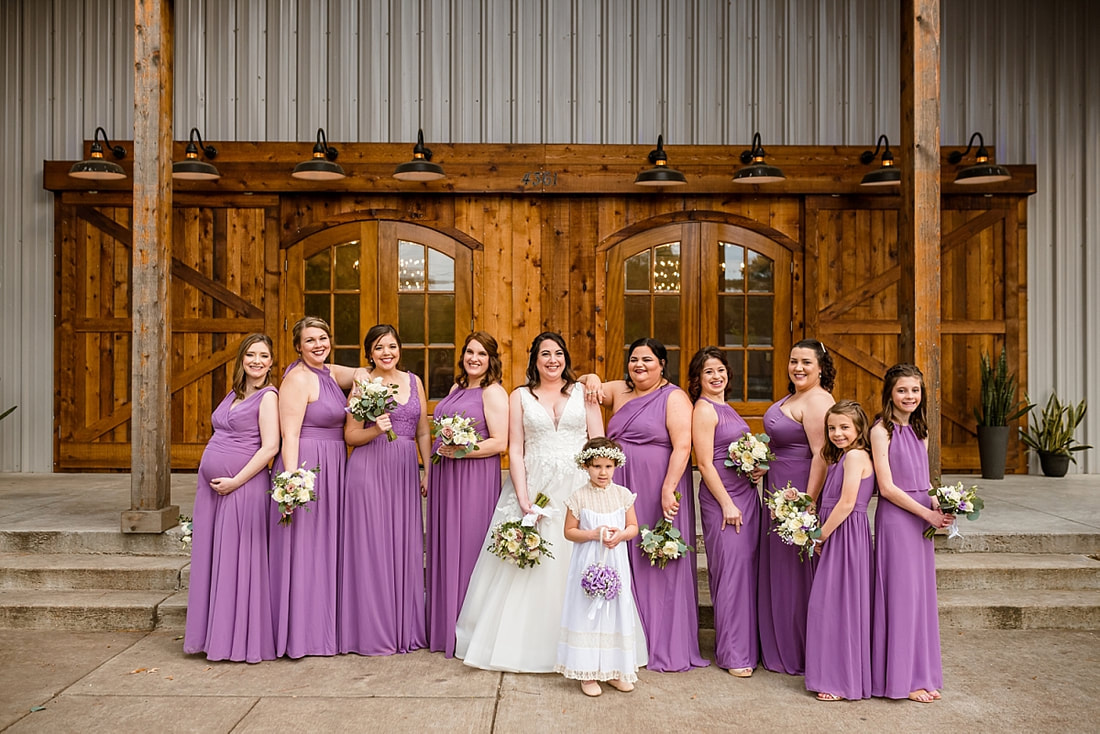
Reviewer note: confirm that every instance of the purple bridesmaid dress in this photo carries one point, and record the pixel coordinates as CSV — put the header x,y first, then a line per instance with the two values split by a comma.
x,y
302,555
731,556
381,601
838,628
668,599
462,494
905,639
784,579
229,601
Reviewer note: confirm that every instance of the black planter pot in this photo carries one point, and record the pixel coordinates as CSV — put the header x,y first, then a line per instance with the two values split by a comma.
x,y
993,449
1052,464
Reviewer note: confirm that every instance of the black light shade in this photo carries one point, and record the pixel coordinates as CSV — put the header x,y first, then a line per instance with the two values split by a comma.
x,y
887,174
757,171
984,171
98,168
660,174
420,168
193,169
320,167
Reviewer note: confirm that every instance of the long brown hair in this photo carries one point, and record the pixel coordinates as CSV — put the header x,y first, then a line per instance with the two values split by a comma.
x,y
240,380
567,374
889,412
695,370
495,370
853,410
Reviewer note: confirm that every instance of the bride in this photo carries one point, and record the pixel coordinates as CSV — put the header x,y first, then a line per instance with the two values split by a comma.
x,y
511,617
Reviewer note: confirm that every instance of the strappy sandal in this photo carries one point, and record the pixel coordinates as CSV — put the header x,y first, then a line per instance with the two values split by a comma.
x,y
741,672
823,696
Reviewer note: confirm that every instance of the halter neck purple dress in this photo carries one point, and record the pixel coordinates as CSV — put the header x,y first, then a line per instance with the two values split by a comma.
x,y
302,555
784,579
838,627
905,638
381,592
732,556
462,494
229,600
668,598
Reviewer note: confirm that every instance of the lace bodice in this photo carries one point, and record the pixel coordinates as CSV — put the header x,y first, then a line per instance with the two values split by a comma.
x,y
545,445
600,501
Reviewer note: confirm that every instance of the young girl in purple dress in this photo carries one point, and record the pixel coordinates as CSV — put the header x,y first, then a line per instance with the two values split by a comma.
x,y
905,638
838,627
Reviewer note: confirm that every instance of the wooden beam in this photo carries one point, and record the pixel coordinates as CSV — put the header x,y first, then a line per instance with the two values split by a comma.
x,y
919,225
151,510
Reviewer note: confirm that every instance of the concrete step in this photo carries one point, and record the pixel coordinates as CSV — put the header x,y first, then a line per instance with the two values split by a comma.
x,y
172,612
80,610
30,571
1016,571
93,541
1022,609
975,541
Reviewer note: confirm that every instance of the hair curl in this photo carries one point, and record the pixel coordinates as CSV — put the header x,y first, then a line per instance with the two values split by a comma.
x,y
495,369
824,361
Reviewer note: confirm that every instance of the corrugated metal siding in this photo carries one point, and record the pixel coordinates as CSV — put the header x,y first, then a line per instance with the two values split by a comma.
x,y
527,71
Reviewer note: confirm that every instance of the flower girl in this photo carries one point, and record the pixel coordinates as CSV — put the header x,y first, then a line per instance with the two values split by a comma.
x,y
601,636
838,630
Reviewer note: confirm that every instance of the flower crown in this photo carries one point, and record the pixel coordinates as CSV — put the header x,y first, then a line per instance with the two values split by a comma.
x,y
606,452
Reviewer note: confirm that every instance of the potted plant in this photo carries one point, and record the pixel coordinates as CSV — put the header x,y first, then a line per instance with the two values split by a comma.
x,y
998,408
1052,435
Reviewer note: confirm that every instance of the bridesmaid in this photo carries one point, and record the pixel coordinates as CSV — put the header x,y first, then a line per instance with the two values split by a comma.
x,y
838,628
796,425
381,601
905,637
229,600
730,508
462,493
651,420
302,555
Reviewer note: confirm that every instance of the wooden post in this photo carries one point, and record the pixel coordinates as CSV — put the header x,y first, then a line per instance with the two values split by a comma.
x,y
150,479
919,235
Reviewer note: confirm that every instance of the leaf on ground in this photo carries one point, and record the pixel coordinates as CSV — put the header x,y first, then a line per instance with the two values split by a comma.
x,y
136,670
178,637
37,708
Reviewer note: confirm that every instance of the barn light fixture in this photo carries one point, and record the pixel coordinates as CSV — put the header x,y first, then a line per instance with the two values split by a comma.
x,y
983,171
321,166
660,174
193,169
887,174
420,168
756,171
97,168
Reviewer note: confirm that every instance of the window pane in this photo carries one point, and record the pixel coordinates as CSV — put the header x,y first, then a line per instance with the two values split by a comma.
x,y
666,269
345,326
347,267
317,272
637,272
410,317
442,375
672,367
441,271
732,264
760,321
760,375
736,359
410,266
441,318
319,304
413,361
347,357
760,273
635,318
666,320
731,321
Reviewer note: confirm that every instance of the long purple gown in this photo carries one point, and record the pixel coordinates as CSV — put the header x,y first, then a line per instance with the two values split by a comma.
x,y
381,602
668,599
302,555
784,580
838,627
731,556
229,601
905,638
462,494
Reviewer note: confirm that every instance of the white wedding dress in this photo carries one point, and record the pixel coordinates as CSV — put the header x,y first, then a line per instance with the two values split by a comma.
x,y
511,617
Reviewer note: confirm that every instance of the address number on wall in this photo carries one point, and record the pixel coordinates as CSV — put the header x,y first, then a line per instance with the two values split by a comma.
x,y
540,178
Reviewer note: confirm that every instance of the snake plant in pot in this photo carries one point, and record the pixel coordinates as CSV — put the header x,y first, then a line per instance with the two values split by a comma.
x,y
998,408
1051,436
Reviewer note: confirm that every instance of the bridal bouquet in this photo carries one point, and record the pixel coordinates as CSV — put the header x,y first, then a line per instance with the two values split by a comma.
x,y
455,430
370,400
794,519
293,489
954,500
520,542
750,452
663,543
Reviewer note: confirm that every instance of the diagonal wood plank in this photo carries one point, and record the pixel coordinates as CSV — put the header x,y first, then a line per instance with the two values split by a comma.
x,y
215,290
878,283
860,358
105,224
964,232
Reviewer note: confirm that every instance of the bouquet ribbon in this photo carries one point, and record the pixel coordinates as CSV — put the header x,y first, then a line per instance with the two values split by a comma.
x,y
536,512
597,603
953,531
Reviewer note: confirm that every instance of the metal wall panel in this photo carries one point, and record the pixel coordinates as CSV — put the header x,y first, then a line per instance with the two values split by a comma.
x,y
13,323
498,110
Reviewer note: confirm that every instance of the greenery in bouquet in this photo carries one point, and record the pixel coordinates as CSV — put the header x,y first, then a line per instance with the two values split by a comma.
x,y
292,489
663,543
370,400
750,452
455,430
519,543
794,518
954,499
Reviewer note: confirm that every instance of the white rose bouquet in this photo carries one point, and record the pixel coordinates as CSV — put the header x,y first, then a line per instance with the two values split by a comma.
x,y
455,430
663,543
293,489
520,543
955,500
750,452
794,519
370,399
